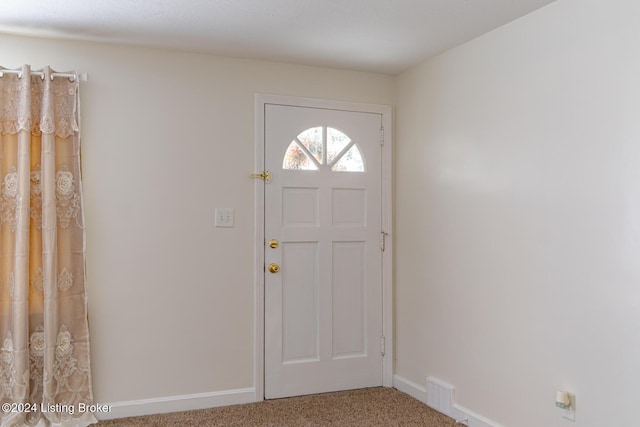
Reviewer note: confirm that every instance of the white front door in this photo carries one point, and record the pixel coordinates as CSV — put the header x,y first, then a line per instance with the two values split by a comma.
x,y
323,299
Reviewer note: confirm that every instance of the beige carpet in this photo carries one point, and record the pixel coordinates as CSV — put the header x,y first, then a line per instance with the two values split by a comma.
x,y
368,407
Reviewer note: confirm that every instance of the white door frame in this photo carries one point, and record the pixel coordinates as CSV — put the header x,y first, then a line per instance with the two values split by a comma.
x,y
261,100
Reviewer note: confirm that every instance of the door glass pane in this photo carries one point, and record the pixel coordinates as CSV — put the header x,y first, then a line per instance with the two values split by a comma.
x,y
312,139
351,161
295,158
336,141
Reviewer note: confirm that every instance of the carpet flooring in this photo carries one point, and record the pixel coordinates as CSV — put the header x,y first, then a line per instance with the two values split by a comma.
x,y
363,408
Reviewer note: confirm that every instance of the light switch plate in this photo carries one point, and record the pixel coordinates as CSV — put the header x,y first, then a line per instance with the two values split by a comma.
x,y
224,217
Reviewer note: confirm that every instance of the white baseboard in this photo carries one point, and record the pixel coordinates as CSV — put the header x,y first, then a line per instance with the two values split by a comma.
x,y
409,387
188,402
474,420
458,412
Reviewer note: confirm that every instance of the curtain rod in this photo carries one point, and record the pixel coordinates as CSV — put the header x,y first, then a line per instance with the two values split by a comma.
x,y
83,77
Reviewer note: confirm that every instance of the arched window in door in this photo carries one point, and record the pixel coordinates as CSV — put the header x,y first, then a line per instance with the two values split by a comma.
x,y
323,147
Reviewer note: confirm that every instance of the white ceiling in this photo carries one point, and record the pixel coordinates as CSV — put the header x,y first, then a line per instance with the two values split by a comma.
x,y
385,36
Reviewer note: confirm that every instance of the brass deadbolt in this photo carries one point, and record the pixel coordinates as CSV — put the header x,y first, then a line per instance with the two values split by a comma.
x,y
273,243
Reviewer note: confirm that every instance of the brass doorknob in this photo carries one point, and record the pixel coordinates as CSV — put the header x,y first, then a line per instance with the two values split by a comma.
x,y
274,268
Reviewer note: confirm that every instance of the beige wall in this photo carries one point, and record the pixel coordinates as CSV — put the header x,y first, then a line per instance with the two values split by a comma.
x,y
518,217
167,138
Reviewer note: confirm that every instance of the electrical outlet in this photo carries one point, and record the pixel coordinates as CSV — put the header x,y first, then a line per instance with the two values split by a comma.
x,y
224,217
569,412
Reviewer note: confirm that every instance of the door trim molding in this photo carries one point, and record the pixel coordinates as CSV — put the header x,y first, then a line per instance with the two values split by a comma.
x,y
261,100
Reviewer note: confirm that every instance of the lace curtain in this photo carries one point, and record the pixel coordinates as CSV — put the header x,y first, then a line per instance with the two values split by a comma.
x,y
45,375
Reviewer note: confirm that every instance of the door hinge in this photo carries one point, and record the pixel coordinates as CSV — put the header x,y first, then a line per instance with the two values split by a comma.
x,y
383,240
382,346
381,136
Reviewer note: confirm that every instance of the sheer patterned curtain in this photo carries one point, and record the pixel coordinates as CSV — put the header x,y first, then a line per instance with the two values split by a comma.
x,y
45,375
